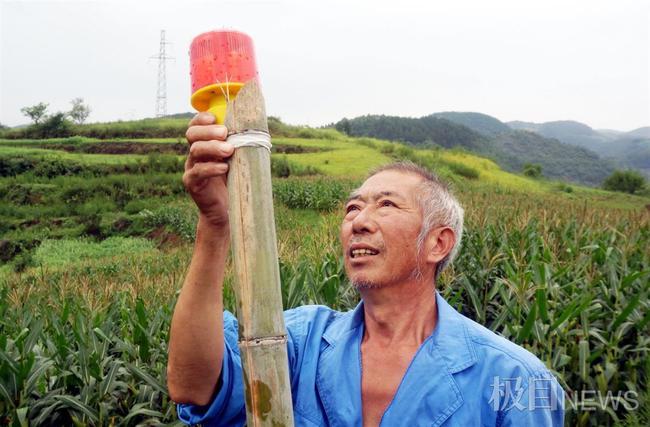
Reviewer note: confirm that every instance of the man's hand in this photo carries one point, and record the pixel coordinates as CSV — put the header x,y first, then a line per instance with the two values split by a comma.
x,y
206,168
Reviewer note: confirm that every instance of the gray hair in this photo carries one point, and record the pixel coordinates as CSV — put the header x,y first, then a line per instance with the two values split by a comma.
x,y
438,204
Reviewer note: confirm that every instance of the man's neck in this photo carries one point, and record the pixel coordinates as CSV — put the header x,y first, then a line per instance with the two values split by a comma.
x,y
399,315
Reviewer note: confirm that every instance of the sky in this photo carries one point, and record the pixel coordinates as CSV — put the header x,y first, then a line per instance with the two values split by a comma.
x,y
320,61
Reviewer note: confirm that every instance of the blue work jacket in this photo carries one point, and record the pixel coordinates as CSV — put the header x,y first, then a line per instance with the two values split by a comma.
x,y
462,375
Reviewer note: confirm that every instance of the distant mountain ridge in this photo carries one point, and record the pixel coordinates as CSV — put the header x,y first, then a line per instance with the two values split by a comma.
x,y
623,149
488,136
481,123
643,132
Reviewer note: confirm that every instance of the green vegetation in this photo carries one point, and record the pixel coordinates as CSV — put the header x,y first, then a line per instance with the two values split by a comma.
x,y
488,137
319,194
79,111
481,123
148,128
54,126
166,127
281,167
66,251
36,112
628,181
13,152
94,248
626,149
532,170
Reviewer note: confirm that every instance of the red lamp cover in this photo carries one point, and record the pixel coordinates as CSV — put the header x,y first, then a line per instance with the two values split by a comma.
x,y
220,57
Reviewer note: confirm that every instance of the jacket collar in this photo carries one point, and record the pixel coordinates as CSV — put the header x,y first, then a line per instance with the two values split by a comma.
x,y
428,389
452,338
450,334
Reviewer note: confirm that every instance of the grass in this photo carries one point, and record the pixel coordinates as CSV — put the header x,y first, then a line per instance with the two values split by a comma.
x,y
56,253
80,140
491,173
91,159
344,158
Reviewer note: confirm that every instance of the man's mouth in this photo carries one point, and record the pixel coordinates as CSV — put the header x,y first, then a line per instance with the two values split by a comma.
x,y
358,253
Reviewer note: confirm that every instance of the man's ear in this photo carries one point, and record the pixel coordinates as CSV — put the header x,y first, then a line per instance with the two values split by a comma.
x,y
439,244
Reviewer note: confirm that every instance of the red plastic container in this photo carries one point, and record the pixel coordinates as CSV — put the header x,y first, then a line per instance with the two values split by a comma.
x,y
218,57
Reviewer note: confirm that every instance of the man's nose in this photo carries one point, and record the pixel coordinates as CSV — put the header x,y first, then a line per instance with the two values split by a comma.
x,y
363,222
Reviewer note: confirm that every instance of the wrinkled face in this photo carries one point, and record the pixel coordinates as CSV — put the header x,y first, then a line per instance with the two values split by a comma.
x,y
380,230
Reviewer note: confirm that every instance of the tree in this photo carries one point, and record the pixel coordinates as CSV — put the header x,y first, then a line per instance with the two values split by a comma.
x,y
80,111
343,126
533,170
628,181
35,112
55,126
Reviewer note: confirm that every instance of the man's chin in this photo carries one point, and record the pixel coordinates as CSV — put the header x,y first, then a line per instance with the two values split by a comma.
x,y
363,283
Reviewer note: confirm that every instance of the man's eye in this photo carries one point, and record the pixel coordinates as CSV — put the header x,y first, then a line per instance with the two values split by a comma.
x,y
351,208
386,203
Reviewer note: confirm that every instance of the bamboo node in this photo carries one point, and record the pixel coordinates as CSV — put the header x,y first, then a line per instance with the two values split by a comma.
x,y
262,341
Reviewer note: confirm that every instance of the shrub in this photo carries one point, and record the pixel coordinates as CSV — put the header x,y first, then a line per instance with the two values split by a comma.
x,y
281,167
8,250
96,206
626,181
563,187
77,195
137,206
26,194
532,170
463,170
387,149
92,225
23,261
49,168
12,166
55,126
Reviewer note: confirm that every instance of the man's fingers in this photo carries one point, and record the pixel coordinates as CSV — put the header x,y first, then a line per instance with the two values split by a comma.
x,y
202,151
203,118
206,133
202,171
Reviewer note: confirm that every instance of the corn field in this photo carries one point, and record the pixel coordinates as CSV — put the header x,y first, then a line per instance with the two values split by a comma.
x,y
87,344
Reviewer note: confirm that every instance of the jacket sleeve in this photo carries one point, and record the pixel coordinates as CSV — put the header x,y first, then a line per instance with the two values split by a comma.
x,y
227,406
540,403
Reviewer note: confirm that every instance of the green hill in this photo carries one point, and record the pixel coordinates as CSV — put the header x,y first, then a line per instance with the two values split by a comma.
x,y
487,136
481,123
427,131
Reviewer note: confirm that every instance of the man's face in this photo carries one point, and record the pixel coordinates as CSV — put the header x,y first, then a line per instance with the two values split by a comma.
x,y
380,230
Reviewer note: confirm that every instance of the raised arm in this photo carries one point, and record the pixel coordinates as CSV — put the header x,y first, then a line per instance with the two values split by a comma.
x,y
196,338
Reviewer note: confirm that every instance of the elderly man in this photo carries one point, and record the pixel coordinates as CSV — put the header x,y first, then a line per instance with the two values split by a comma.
x,y
402,357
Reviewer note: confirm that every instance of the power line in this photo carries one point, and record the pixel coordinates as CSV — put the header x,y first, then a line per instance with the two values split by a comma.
x,y
161,95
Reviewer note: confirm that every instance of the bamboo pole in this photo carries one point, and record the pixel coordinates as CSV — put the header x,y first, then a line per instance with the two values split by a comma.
x,y
262,334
